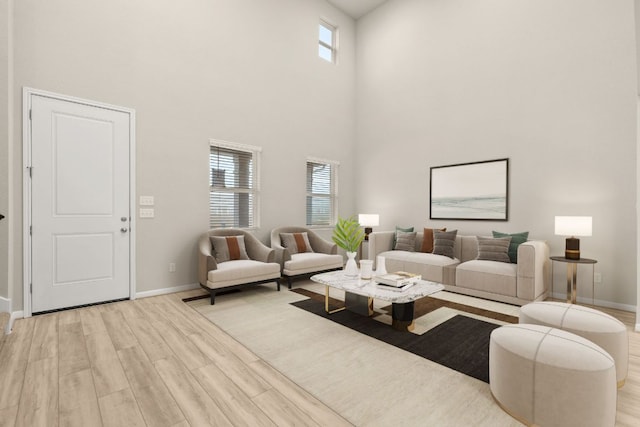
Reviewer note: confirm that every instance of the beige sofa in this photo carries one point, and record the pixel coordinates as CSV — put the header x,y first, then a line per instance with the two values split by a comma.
x,y
520,283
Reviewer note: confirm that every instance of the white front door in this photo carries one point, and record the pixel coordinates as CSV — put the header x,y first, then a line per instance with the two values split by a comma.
x,y
80,213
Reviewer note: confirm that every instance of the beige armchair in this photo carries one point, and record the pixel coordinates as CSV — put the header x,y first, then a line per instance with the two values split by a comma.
x,y
231,258
300,257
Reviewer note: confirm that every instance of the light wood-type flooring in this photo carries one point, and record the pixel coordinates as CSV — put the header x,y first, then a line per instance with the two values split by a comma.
x,y
152,361
155,361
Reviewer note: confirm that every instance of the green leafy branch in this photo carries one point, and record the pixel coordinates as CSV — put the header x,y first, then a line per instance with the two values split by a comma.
x,y
348,234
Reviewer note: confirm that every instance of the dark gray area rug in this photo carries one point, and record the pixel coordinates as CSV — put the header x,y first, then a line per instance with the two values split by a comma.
x,y
460,343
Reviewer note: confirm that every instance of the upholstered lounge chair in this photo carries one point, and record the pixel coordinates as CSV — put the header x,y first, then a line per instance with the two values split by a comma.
x,y
224,265
300,257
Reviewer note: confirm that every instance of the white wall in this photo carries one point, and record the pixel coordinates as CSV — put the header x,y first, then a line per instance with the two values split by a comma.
x,y
239,70
549,84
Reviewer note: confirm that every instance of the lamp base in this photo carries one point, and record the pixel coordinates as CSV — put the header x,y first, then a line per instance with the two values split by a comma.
x,y
572,248
367,230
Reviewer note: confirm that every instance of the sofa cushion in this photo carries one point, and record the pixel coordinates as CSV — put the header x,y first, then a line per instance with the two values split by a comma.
x,y
296,242
241,271
444,242
310,262
228,248
427,240
488,276
429,266
405,241
516,240
494,249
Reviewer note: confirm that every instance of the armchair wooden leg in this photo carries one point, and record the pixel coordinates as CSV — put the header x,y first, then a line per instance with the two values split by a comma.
x,y
213,297
289,281
278,284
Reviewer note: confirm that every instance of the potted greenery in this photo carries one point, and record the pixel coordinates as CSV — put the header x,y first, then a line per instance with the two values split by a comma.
x,y
348,235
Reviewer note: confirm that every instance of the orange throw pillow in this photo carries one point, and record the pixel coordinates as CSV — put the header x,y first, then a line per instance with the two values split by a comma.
x,y
427,240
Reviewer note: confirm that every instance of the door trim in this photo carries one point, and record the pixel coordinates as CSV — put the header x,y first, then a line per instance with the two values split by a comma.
x,y
27,94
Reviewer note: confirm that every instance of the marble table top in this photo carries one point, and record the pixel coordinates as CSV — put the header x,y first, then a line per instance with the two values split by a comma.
x,y
369,288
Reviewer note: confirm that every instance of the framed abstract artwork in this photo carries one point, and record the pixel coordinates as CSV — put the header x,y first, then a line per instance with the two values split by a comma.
x,y
473,191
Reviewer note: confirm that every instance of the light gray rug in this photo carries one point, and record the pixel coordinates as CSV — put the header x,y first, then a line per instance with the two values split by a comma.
x,y
368,382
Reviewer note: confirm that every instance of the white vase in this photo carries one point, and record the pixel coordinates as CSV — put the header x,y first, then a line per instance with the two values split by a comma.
x,y
351,269
380,267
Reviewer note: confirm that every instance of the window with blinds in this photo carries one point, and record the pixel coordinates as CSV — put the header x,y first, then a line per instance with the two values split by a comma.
x,y
233,195
321,192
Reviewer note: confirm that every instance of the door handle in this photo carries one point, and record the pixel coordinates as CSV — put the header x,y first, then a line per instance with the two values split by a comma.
x,y
124,229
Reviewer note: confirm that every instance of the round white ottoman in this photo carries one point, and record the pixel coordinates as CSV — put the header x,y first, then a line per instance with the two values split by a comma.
x,y
549,377
604,330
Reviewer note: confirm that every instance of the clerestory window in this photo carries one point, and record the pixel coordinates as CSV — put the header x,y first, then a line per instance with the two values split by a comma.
x,y
327,42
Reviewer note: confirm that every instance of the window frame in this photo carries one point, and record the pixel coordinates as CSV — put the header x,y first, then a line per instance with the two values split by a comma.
x,y
333,48
255,152
333,194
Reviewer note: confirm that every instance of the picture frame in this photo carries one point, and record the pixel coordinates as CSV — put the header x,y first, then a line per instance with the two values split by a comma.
x,y
470,191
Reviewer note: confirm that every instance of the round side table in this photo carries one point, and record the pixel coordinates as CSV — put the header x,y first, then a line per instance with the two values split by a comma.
x,y
572,275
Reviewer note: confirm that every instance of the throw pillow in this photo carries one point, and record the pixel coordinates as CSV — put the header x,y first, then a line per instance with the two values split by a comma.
x,y
405,241
427,240
296,242
494,249
516,240
443,242
228,248
400,229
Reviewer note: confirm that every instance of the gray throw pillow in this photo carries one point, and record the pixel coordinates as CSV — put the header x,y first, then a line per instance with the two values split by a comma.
x,y
296,242
443,242
405,241
516,240
228,248
494,249
400,229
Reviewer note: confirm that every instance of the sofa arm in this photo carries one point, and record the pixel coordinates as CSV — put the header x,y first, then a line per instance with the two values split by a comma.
x,y
318,244
206,261
281,254
257,250
533,270
380,241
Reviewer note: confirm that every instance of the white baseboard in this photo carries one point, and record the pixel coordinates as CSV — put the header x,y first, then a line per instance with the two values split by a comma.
x,y
14,315
598,302
163,291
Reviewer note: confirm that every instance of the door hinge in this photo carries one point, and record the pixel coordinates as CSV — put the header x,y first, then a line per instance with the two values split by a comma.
x,y
30,114
30,288
30,171
31,230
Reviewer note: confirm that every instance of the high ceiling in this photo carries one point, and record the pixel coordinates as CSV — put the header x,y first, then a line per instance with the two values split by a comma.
x,y
356,8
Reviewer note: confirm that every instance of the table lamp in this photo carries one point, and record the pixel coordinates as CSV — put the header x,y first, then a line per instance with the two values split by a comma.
x,y
367,221
573,226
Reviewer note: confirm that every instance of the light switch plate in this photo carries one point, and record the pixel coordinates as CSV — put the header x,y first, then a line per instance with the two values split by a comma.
x,y
146,201
147,213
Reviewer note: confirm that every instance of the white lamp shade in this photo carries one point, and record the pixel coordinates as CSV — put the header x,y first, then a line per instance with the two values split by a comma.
x,y
369,220
573,226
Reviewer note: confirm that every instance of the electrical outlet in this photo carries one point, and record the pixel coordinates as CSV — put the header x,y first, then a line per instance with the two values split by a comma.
x,y
597,278
172,267
146,201
147,213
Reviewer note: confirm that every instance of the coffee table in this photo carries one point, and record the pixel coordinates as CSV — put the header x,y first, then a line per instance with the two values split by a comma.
x,y
359,295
